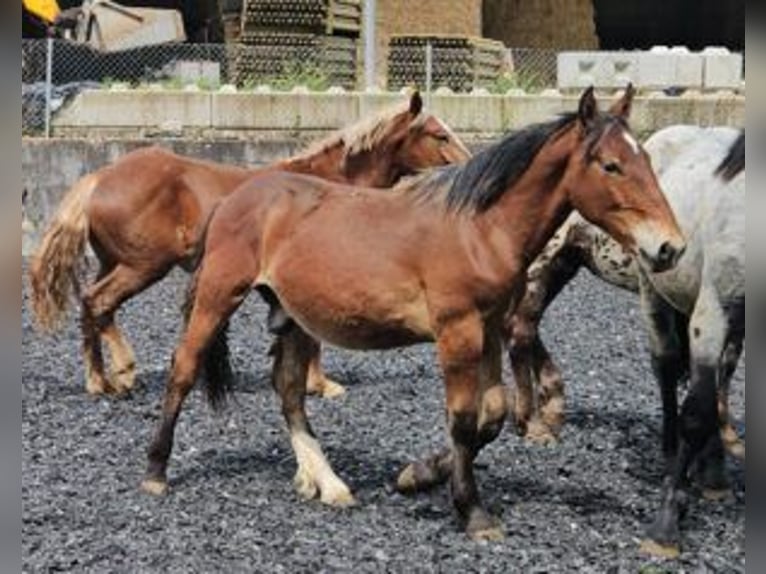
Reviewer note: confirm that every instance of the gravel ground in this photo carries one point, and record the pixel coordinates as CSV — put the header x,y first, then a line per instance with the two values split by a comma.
x,y
578,506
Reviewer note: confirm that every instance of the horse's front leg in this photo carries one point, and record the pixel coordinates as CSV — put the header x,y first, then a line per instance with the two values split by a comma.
x,y
293,352
476,409
539,388
667,356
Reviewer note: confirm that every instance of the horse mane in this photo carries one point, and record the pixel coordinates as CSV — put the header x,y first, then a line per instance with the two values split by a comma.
x,y
478,184
361,136
734,162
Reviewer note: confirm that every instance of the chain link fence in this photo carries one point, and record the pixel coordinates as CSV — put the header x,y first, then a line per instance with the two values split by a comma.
x,y
280,61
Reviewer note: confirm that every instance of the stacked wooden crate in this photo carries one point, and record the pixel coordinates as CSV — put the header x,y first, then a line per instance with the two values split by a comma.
x,y
458,62
289,36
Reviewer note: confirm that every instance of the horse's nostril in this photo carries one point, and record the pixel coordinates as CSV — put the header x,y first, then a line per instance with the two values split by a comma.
x,y
667,254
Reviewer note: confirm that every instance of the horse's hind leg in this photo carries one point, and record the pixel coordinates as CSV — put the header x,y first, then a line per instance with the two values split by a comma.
x,y
731,355
293,351
96,381
319,383
219,291
100,302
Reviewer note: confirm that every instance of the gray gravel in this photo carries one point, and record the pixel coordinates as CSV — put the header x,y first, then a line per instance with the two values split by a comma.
x,y
578,506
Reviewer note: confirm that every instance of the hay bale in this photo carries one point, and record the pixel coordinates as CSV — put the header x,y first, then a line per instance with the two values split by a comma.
x,y
405,17
557,24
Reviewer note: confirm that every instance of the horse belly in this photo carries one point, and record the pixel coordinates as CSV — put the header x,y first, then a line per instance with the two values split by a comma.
x,y
354,314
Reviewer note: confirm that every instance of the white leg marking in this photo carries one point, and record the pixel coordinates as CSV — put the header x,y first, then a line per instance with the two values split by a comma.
x,y
314,472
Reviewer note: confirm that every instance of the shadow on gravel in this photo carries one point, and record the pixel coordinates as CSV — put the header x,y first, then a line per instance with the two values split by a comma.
x,y
276,462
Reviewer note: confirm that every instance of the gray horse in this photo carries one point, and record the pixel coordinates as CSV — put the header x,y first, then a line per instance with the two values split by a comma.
x,y
695,313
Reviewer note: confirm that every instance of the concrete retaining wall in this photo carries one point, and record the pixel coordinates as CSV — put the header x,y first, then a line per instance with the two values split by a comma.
x,y
141,114
50,167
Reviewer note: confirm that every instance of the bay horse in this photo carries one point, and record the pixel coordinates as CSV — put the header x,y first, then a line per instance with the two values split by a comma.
x,y
695,314
145,214
438,259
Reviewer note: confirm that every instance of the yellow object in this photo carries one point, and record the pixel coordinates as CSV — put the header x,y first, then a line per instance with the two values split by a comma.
x,y
45,9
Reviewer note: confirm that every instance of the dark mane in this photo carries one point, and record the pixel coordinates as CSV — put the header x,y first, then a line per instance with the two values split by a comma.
x,y
482,181
734,162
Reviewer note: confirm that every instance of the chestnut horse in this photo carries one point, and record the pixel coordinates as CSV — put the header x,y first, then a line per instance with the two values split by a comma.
x,y
438,259
146,213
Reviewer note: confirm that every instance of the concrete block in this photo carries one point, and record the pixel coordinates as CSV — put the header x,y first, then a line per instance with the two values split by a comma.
x,y
722,69
283,111
662,67
136,108
473,113
193,72
577,70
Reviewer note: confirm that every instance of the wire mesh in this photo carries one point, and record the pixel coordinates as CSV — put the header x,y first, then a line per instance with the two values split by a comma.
x,y
280,60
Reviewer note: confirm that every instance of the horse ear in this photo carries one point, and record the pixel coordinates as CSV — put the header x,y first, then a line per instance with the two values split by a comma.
x,y
416,103
588,109
624,105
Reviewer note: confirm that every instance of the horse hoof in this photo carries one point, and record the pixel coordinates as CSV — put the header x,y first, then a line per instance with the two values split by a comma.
x,y
331,389
340,498
539,433
124,380
737,450
668,551
155,487
305,485
97,386
492,534
407,482
716,494
485,527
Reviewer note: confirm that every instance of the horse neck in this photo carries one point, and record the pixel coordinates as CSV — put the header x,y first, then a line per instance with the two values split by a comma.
x,y
530,213
326,163
372,168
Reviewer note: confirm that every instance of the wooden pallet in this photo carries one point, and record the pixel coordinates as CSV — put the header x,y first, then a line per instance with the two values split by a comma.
x,y
332,17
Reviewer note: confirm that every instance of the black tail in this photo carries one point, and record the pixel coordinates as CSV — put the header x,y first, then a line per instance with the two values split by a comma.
x,y
217,374
734,162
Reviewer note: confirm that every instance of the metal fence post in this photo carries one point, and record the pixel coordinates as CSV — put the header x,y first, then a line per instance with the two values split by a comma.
x,y
429,72
48,85
370,81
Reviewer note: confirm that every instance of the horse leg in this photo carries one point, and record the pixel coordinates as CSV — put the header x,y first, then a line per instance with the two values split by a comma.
x,y
319,383
476,409
221,286
551,395
100,302
521,358
539,418
435,470
698,420
728,320
668,366
731,355
96,381
293,353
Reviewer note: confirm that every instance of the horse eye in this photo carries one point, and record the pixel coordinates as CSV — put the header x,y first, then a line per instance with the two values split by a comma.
x,y
612,168
443,138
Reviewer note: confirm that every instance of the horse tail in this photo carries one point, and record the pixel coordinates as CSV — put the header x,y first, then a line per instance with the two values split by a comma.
x,y
217,374
60,257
